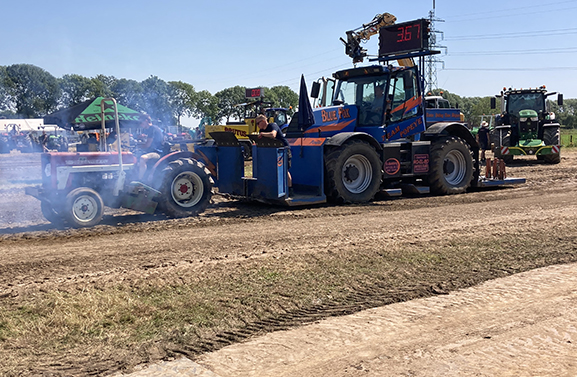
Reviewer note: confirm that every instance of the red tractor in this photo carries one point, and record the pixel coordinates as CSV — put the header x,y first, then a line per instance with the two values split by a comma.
x,y
76,186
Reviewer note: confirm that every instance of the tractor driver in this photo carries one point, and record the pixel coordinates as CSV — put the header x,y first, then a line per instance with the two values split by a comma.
x,y
272,131
378,101
151,147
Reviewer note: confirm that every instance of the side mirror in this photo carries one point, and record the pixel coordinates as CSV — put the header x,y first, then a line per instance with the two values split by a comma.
x,y
315,90
560,99
493,102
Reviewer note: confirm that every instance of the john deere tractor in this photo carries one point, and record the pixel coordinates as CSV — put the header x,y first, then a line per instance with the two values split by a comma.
x,y
526,126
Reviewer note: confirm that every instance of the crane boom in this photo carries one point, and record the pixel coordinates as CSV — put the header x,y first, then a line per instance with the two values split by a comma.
x,y
364,33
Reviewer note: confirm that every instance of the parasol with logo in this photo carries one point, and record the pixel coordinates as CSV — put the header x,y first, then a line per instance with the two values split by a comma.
x,y
89,115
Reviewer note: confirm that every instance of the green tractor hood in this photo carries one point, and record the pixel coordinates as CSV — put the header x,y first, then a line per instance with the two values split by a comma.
x,y
528,113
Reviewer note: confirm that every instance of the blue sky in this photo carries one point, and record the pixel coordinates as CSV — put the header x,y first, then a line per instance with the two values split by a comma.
x,y
218,44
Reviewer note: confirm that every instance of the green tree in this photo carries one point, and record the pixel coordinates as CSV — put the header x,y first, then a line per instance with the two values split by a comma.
x,y
283,96
33,90
182,99
566,114
129,93
228,99
75,89
155,95
101,86
6,105
206,106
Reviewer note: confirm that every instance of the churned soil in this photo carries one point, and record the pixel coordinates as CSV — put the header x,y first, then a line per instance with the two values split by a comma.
x,y
356,257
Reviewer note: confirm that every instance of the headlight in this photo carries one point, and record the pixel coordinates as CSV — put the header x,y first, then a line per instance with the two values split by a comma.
x,y
47,169
534,119
523,119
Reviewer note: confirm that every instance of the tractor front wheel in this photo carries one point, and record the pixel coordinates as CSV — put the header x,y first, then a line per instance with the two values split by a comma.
x,y
353,173
83,207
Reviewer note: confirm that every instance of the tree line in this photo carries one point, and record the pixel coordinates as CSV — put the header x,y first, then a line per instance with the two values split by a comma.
x,y
28,91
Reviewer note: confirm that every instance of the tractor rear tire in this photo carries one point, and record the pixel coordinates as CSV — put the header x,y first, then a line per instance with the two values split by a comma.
x,y
186,188
50,213
353,173
451,166
83,208
552,136
508,158
497,142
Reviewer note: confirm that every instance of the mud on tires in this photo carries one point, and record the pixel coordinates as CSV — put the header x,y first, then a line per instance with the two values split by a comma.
x,y
353,173
451,166
186,188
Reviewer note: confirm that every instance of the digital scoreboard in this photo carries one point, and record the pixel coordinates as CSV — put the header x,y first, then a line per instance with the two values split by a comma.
x,y
406,37
254,93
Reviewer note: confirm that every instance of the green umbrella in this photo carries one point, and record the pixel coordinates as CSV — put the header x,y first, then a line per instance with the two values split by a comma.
x,y
88,116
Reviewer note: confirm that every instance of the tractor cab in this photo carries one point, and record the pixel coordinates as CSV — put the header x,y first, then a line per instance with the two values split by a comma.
x,y
382,101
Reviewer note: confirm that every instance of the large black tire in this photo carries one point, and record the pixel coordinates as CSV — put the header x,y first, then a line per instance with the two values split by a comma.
x,y
552,136
50,213
83,208
451,166
186,188
508,158
353,173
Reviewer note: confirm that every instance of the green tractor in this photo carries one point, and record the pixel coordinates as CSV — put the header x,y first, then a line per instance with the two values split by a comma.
x,y
525,126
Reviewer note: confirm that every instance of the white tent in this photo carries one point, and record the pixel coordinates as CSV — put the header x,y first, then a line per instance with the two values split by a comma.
x,y
27,125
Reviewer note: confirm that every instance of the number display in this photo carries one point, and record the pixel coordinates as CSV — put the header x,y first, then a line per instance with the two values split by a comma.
x,y
405,37
253,93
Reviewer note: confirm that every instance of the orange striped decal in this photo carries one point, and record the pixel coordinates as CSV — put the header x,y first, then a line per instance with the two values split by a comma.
x,y
330,127
408,105
307,141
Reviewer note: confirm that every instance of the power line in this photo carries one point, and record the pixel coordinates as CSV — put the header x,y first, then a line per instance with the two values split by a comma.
x,y
570,50
514,69
500,11
542,33
504,12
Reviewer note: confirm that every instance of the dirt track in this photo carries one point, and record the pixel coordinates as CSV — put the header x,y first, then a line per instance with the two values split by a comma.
x,y
128,247
522,325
